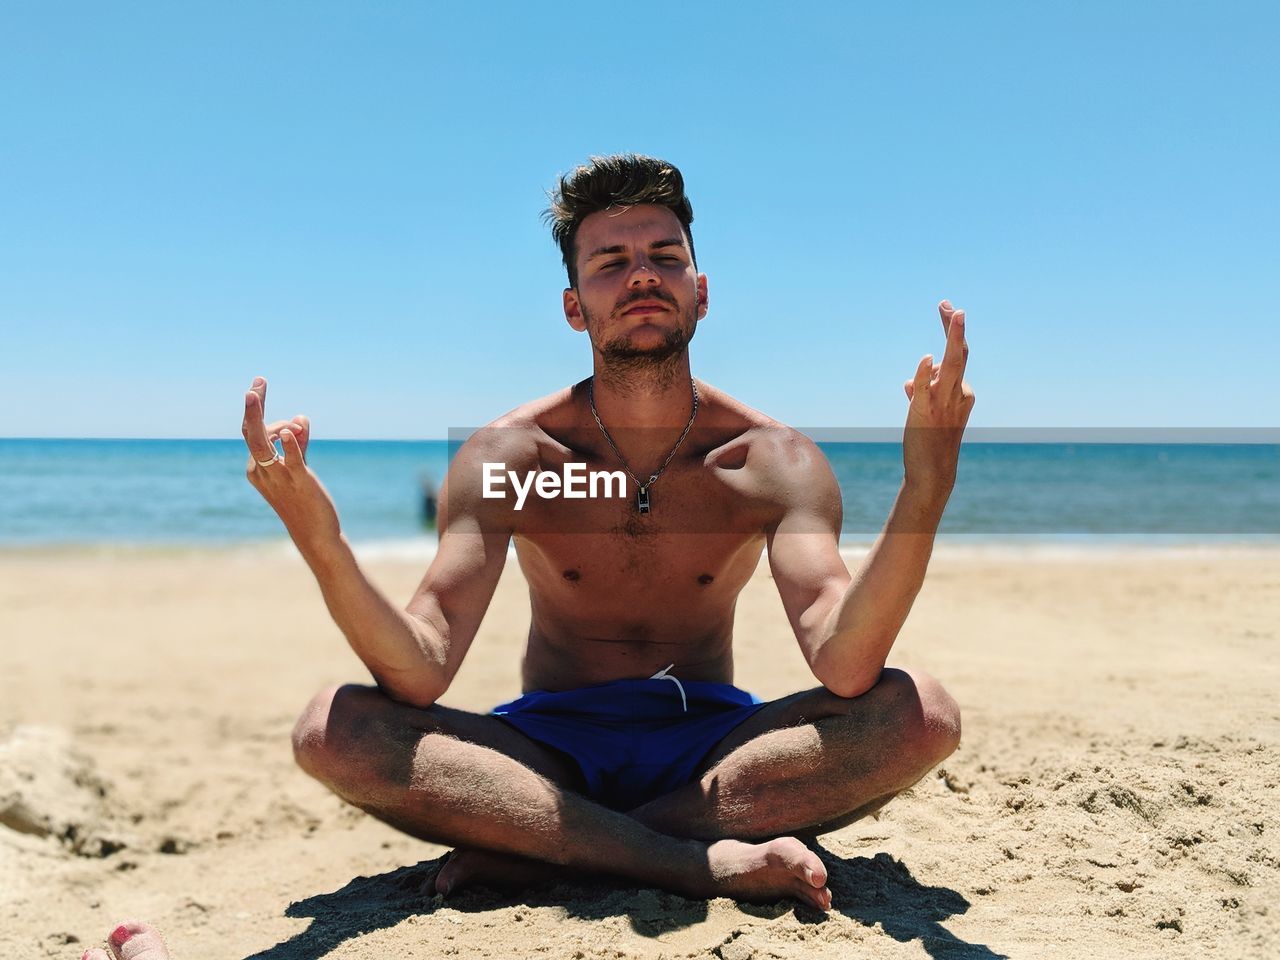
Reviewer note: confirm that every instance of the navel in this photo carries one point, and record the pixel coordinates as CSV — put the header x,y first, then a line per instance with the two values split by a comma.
x,y
573,576
705,579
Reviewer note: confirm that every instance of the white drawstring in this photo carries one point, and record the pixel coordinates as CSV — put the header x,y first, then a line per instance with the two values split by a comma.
x,y
663,675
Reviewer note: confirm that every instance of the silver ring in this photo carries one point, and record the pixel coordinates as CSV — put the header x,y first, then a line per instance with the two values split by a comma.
x,y
266,463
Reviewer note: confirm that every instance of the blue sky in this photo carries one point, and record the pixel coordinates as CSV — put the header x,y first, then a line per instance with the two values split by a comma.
x,y
345,197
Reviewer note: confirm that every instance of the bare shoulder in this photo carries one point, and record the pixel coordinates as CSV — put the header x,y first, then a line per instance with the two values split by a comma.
x,y
765,445
775,462
511,442
516,437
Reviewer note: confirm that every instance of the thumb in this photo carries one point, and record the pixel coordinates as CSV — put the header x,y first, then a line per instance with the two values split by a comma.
x,y
924,373
293,456
303,431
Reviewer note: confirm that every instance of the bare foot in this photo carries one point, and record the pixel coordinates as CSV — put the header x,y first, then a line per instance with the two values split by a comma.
x,y
745,871
768,871
131,940
466,867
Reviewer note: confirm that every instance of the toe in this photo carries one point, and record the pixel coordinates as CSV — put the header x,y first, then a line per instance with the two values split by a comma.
x,y
812,874
133,940
444,883
816,874
97,953
431,884
803,862
447,878
819,897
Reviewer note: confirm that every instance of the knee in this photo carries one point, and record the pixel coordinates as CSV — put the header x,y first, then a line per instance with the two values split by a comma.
x,y
327,737
930,714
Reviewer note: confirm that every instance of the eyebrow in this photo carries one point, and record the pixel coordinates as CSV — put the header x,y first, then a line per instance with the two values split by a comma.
x,y
619,248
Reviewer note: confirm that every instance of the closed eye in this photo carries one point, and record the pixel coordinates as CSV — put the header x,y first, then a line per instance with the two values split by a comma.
x,y
620,263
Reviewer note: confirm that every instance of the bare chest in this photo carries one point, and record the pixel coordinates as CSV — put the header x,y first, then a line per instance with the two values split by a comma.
x,y
601,566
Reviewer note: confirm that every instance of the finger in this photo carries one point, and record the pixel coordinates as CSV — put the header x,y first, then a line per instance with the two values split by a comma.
x,y
955,356
259,388
945,310
303,431
253,429
967,395
909,386
920,385
273,429
293,458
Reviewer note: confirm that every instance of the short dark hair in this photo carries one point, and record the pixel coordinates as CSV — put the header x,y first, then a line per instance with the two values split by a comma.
x,y
620,180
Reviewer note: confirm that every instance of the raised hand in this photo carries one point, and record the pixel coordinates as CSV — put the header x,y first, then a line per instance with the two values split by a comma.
x,y
286,483
940,403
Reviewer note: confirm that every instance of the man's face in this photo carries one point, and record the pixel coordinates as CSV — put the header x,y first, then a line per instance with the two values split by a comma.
x,y
639,296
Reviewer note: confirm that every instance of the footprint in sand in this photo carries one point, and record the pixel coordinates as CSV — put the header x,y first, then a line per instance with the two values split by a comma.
x,y
131,940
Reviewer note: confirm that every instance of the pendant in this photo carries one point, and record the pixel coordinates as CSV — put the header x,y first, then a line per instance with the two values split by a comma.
x,y
642,496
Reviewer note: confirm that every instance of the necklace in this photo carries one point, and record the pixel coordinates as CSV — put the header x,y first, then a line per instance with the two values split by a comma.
x,y
643,502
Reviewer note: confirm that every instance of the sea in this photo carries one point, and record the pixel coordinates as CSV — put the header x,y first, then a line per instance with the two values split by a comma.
x,y
104,493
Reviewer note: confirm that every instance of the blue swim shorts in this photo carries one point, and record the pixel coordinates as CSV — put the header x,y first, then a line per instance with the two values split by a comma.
x,y
633,740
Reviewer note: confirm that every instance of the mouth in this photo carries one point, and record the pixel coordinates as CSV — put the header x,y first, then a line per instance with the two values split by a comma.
x,y
646,306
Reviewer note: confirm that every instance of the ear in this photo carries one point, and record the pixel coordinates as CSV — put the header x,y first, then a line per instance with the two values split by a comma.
x,y
702,295
573,310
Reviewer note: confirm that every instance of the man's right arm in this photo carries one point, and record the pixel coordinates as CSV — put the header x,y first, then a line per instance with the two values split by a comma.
x,y
414,653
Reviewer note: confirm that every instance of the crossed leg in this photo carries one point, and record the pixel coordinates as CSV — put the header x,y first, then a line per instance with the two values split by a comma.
x,y
813,762
804,764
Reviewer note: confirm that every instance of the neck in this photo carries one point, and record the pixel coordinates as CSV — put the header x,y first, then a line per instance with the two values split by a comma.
x,y
657,395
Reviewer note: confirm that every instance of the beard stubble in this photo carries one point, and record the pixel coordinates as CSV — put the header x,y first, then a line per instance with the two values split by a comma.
x,y
623,357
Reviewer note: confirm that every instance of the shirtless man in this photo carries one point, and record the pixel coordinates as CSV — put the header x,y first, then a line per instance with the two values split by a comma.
x,y
631,753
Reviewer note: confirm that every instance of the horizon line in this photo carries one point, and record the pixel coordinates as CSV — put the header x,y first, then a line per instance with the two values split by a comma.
x,y
1202,436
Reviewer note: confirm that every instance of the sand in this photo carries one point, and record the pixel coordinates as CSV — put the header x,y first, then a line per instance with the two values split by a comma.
x,y
1115,794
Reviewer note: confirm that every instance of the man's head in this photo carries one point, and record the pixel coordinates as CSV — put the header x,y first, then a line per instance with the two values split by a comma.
x,y
623,227
621,180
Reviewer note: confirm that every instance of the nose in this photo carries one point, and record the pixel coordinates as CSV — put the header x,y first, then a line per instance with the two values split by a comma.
x,y
643,275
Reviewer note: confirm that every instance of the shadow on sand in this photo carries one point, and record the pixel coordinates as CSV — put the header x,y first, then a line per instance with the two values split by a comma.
x,y
881,891
366,904
870,891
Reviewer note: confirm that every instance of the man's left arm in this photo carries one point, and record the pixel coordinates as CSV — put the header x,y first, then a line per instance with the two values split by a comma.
x,y
846,625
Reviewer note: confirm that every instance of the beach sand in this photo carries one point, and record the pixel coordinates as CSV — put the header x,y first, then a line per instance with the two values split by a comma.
x,y
1115,794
